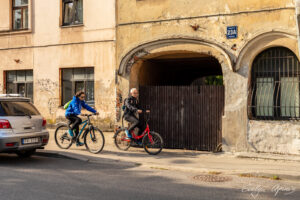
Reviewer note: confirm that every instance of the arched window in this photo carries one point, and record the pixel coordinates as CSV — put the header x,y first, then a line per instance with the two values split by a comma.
x,y
274,92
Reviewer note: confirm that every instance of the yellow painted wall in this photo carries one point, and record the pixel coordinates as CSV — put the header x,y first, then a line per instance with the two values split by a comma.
x,y
261,24
153,20
147,10
4,15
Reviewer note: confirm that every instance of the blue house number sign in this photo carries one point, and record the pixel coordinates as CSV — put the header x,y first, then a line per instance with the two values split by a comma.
x,y
232,32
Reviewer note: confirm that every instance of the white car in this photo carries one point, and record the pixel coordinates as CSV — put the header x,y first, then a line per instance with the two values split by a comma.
x,y
22,128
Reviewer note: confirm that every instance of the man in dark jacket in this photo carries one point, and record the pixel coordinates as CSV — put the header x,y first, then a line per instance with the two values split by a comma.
x,y
131,108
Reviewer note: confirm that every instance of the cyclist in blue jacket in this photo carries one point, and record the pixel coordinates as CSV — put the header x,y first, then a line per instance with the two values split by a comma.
x,y
74,109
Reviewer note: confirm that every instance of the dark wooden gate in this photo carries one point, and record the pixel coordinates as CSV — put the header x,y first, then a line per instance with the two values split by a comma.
x,y
187,117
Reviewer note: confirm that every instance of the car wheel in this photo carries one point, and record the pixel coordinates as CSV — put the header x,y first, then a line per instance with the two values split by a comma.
x,y
26,154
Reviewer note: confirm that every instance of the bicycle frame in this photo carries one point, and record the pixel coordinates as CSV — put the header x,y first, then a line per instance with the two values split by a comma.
x,y
146,131
136,137
84,123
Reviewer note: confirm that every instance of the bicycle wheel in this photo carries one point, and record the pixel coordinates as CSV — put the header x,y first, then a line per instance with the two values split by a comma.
x,y
62,137
153,143
94,140
120,140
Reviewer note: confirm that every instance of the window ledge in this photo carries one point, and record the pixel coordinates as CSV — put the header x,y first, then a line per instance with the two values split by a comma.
x,y
72,26
15,32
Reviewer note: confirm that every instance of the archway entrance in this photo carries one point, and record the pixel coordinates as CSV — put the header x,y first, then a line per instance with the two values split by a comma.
x,y
185,94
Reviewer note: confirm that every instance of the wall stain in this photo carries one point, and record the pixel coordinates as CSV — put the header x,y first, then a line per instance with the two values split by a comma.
x,y
53,104
48,86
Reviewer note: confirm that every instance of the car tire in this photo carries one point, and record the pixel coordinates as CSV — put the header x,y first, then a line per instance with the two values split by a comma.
x,y
26,154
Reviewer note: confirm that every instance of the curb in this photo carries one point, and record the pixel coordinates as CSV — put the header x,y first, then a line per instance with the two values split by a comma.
x,y
55,154
266,158
224,172
269,175
83,158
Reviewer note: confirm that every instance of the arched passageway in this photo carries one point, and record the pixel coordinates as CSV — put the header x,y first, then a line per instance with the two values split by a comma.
x,y
185,93
178,69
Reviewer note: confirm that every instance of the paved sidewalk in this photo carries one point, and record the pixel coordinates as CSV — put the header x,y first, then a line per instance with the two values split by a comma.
x,y
285,167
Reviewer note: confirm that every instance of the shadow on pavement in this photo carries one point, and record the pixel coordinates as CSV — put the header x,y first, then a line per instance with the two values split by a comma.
x,y
50,160
139,152
58,178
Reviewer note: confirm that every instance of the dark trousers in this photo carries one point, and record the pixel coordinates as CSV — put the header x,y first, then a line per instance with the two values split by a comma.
x,y
74,123
135,122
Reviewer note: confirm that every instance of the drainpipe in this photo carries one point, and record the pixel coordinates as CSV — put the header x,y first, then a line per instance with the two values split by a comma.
x,y
297,8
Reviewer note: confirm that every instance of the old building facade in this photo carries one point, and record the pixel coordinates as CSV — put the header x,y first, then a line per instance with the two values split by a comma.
x,y
51,49
215,73
166,46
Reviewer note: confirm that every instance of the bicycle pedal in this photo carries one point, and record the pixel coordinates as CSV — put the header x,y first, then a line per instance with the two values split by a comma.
x,y
79,144
136,143
73,139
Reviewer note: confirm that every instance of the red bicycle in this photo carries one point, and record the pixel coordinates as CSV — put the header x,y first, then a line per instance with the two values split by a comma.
x,y
151,141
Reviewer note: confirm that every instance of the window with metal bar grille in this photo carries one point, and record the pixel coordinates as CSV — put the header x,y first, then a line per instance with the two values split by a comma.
x,y
274,91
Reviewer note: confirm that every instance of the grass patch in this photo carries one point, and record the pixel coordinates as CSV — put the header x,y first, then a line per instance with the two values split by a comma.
x,y
275,178
259,176
214,173
246,175
159,168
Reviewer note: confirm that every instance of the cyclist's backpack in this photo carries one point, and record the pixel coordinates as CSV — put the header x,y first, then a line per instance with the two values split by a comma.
x,y
66,106
124,107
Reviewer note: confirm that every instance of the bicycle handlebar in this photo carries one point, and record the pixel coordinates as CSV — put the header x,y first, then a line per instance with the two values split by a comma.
x,y
88,115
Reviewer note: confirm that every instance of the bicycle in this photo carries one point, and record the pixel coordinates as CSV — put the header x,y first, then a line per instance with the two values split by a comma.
x,y
150,139
91,135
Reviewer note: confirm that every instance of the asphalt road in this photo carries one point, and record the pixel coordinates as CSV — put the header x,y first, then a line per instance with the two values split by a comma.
x,y
40,178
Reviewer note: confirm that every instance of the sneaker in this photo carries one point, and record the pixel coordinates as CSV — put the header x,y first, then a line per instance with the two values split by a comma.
x,y
71,133
137,143
128,134
78,144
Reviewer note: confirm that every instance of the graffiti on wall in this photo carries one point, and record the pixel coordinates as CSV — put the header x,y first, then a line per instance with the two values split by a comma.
x,y
53,105
49,87
119,102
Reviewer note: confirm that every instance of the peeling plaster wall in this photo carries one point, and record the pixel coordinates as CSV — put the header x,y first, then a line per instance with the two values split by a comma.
x,y
210,29
297,2
149,10
277,137
270,136
155,20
